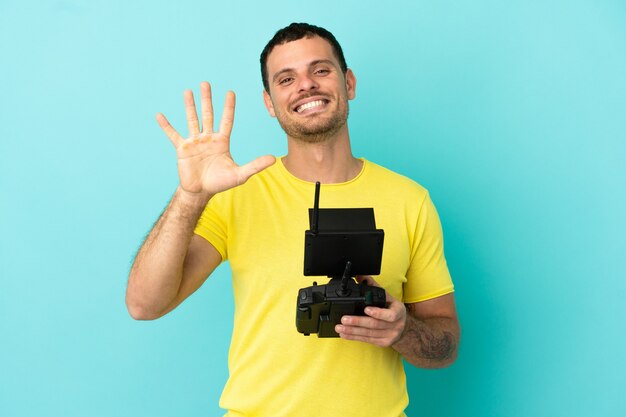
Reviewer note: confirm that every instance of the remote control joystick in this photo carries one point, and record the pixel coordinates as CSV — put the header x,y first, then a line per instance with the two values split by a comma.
x,y
343,290
341,244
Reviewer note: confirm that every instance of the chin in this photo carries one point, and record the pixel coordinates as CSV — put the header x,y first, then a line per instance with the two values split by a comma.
x,y
316,131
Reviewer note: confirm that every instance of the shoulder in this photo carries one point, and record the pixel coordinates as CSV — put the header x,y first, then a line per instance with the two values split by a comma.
x,y
389,181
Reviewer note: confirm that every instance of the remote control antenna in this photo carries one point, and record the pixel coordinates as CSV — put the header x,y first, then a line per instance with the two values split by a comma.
x,y
316,209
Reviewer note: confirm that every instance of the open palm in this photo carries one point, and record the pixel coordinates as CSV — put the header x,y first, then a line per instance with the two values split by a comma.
x,y
205,164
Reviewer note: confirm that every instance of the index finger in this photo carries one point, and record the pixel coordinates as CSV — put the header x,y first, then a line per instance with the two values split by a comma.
x,y
171,133
393,312
228,116
390,314
366,322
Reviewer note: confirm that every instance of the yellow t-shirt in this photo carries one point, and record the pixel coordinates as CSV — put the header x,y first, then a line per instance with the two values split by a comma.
x,y
259,227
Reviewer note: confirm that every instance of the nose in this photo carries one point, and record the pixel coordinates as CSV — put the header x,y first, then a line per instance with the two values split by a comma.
x,y
306,83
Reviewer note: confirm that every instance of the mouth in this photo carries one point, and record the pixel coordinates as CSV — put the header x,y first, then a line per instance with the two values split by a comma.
x,y
311,105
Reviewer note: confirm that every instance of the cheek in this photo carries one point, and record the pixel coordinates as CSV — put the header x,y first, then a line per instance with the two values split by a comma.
x,y
278,102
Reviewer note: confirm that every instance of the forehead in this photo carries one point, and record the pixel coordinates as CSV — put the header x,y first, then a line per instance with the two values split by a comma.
x,y
299,53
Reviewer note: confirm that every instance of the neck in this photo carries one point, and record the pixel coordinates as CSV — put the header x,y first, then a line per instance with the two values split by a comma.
x,y
329,162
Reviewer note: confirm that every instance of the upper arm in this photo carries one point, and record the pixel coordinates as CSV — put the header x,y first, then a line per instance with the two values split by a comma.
x,y
200,261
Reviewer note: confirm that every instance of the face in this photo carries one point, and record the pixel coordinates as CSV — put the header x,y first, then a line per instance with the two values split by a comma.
x,y
308,92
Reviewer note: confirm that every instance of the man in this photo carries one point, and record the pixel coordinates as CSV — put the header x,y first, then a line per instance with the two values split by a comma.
x,y
255,215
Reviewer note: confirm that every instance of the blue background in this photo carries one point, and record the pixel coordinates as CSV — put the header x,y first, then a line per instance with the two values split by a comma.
x,y
513,115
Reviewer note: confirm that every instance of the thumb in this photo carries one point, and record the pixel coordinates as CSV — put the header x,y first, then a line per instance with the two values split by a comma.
x,y
254,167
371,281
367,279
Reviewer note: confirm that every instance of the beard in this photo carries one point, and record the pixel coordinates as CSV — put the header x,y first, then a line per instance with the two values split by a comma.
x,y
315,129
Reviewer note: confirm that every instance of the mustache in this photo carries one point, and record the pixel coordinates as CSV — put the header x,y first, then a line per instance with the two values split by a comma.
x,y
307,95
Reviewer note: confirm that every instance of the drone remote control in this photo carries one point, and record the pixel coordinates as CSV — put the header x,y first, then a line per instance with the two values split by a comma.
x,y
341,244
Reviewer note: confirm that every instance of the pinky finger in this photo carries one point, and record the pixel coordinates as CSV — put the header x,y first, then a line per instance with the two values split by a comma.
x,y
171,133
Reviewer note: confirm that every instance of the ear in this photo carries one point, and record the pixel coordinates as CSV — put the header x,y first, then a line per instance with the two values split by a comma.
x,y
350,84
268,103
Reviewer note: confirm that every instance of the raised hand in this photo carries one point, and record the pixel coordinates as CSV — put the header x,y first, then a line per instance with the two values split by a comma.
x,y
205,165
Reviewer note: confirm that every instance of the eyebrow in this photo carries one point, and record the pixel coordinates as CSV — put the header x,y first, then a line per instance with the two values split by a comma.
x,y
311,64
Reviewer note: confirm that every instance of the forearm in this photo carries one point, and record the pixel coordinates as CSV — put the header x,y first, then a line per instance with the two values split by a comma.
x,y
429,343
156,274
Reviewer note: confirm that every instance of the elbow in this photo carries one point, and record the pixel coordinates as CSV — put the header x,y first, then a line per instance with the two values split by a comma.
x,y
447,361
137,305
139,311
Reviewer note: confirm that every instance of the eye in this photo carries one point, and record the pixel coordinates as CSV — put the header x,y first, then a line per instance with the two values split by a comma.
x,y
321,71
285,81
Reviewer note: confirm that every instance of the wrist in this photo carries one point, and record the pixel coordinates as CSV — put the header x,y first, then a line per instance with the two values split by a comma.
x,y
401,338
199,199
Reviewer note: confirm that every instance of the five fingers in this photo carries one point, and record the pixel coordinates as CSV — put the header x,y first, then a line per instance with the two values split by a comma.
x,y
226,123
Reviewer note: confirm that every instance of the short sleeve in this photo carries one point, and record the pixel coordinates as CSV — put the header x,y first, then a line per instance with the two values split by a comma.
x,y
428,276
212,225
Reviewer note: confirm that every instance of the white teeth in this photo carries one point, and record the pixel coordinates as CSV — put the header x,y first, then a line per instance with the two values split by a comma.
x,y
309,105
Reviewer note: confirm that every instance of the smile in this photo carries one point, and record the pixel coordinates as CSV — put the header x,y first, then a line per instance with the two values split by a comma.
x,y
310,105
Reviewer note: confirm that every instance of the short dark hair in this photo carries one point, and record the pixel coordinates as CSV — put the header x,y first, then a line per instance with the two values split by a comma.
x,y
294,32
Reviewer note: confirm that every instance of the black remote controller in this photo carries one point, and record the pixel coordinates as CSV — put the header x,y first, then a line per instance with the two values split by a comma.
x,y
341,244
321,307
